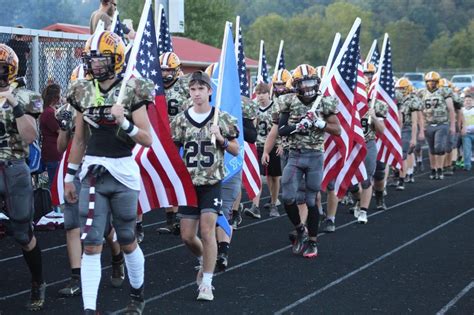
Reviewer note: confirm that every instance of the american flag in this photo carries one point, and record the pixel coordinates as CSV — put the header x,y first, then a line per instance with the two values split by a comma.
x,y
164,178
344,154
241,65
117,28
164,40
263,69
281,62
389,143
250,170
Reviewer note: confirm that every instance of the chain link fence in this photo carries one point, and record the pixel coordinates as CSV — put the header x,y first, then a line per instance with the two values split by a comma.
x,y
45,57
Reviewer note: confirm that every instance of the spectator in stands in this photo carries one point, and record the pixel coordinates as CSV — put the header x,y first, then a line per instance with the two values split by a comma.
x,y
49,129
21,47
106,13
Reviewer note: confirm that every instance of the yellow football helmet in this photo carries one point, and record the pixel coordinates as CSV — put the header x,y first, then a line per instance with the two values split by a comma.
x,y
369,68
281,77
109,50
170,62
404,85
432,79
320,70
9,65
306,81
443,82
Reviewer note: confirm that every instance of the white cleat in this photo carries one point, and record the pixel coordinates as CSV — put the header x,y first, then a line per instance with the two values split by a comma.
x,y
362,217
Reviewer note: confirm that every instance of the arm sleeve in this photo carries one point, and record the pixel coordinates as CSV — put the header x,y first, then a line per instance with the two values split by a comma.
x,y
283,128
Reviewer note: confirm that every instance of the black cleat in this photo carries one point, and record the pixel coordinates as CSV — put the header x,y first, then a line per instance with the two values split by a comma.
x,y
137,302
37,297
222,261
73,288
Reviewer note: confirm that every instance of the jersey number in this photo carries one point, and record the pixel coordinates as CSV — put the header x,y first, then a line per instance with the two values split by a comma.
x,y
3,135
431,103
262,128
364,122
172,107
192,150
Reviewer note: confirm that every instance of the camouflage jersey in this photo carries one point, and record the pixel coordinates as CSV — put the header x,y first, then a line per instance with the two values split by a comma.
x,y
434,106
264,123
107,139
249,108
281,140
12,146
205,162
313,138
406,106
380,109
176,96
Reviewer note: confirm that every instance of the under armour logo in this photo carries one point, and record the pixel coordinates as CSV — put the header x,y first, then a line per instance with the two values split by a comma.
x,y
217,202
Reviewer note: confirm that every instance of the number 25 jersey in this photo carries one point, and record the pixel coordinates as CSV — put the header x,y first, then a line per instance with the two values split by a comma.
x,y
205,163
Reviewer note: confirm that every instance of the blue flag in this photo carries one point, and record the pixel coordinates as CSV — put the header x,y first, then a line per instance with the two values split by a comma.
x,y
231,103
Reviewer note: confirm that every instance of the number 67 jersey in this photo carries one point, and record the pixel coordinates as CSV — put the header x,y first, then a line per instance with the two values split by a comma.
x,y
205,162
435,109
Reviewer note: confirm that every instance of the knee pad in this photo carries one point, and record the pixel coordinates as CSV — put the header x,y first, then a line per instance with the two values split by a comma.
x,y
379,171
71,218
300,197
354,189
125,236
22,232
367,183
311,199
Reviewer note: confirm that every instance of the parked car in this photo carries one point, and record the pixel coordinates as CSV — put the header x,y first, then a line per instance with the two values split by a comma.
x,y
416,78
463,80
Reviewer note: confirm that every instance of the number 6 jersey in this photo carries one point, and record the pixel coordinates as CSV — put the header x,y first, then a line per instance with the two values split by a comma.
x,y
205,162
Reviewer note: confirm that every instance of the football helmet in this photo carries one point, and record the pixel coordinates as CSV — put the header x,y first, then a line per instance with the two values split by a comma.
x,y
279,81
404,85
210,69
432,79
320,70
104,55
170,63
306,80
78,73
8,65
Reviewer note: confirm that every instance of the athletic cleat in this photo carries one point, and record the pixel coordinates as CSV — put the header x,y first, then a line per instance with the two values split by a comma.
x,y
449,171
137,302
440,175
90,312
433,174
401,185
205,293
380,203
73,288
362,217
300,242
222,261
274,211
168,229
118,273
253,212
411,178
37,297
140,232
176,228
311,249
328,226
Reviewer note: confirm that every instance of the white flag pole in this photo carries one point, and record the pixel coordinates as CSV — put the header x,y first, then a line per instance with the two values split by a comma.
x,y
220,78
371,51
335,43
158,13
236,42
280,50
377,76
260,61
133,54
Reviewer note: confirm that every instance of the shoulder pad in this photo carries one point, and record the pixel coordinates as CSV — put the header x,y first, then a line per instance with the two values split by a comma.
x,y
30,101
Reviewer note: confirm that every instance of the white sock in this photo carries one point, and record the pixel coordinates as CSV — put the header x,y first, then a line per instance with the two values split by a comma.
x,y
199,260
135,262
207,278
410,171
333,219
90,279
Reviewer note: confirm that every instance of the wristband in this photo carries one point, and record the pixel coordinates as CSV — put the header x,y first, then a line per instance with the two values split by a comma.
x,y
129,128
68,178
73,166
18,111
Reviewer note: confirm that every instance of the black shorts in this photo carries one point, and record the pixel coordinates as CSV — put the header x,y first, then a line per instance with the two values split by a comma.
x,y
274,165
209,200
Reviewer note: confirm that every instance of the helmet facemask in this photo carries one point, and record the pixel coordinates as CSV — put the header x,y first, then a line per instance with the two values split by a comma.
x,y
170,76
4,71
100,66
279,88
431,85
308,87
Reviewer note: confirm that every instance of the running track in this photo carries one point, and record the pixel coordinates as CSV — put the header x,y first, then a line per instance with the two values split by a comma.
x,y
416,257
